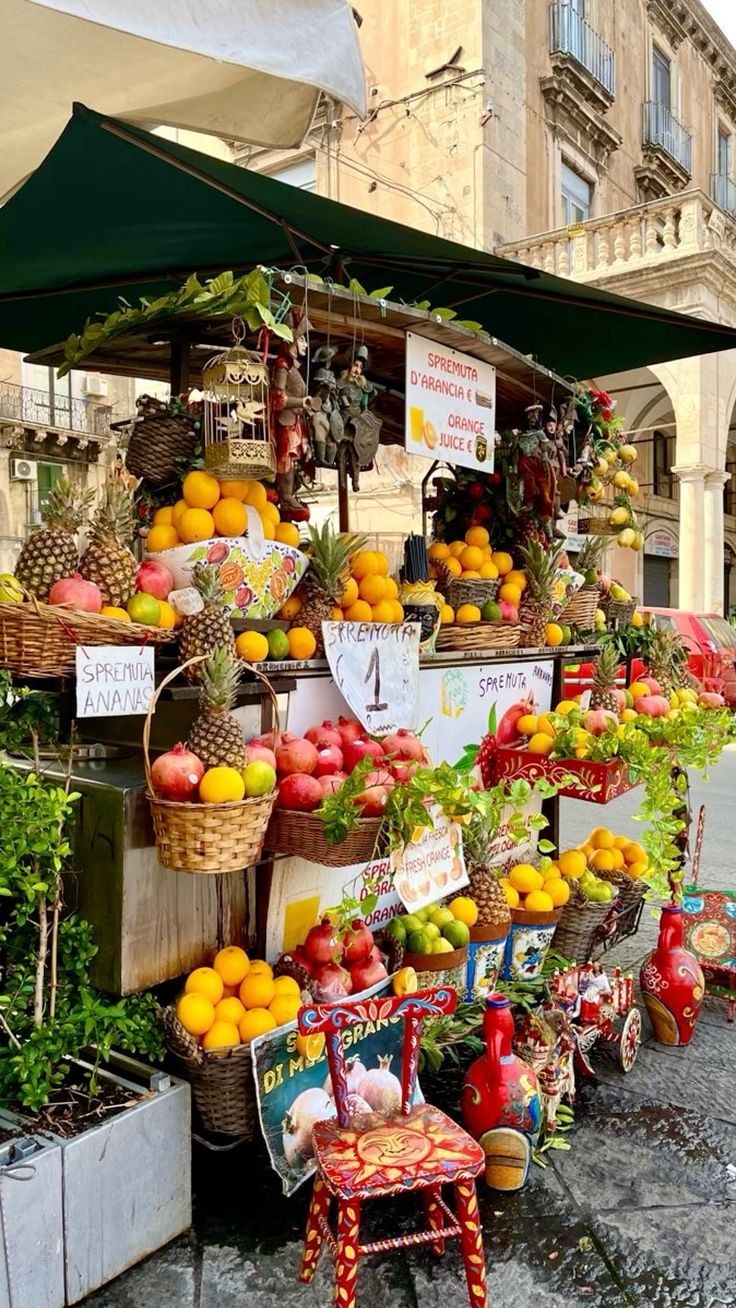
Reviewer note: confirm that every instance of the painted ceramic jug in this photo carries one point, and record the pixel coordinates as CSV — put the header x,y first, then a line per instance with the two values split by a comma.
x,y
500,1100
672,983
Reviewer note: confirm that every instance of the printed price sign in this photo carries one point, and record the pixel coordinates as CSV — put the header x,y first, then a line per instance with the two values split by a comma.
x,y
450,404
431,866
375,666
114,680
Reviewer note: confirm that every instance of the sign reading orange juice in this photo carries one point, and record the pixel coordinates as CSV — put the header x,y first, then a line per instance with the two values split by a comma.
x,y
450,404
431,865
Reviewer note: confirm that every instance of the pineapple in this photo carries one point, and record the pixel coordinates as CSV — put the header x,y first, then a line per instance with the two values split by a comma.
x,y
51,554
326,578
590,558
601,696
540,564
216,737
210,629
668,661
107,561
484,889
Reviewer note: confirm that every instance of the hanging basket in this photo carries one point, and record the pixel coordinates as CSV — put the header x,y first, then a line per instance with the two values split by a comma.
x,y
206,838
578,929
595,526
617,610
40,640
581,610
302,834
476,591
222,1081
237,442
479,635
159,437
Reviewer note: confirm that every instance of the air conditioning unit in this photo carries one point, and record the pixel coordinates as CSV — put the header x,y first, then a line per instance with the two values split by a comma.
x,y
95,386
22,470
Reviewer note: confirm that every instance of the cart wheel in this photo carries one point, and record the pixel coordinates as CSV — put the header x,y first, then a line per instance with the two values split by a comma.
x,y
630,1040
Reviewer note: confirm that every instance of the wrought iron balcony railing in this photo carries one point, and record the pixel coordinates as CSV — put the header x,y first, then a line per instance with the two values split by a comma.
x,y
660,127
571,34
26,404
723,192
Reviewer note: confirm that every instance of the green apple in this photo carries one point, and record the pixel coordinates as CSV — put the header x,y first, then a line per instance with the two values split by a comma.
x,y
259,778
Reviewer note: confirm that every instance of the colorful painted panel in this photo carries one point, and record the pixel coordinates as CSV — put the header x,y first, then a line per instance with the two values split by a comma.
x,y
709,928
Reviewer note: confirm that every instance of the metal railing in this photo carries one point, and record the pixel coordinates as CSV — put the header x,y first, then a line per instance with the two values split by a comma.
x,y
723,192
571,34
660,127
26,404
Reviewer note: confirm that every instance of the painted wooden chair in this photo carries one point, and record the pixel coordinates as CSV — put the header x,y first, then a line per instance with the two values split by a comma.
x,y
369,1156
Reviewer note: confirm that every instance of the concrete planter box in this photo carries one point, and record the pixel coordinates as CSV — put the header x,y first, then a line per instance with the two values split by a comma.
x,y
31,1231
125,1184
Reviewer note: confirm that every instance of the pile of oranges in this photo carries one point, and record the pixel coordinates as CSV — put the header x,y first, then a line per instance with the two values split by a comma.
x,y
472,559
605,852
210,508
370,594
235,1000
536,890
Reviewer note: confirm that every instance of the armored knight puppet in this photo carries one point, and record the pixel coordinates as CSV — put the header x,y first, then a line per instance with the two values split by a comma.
x,y
362,428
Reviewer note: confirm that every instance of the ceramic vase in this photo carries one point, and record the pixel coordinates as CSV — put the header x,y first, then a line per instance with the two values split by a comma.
x,y
672,983
501,1103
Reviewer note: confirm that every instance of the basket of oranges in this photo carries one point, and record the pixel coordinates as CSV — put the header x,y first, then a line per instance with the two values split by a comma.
x,y
482,592
209,1032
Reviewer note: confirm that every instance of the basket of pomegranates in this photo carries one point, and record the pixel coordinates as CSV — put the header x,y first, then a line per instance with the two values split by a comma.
x,y
208,817
333,786
333,963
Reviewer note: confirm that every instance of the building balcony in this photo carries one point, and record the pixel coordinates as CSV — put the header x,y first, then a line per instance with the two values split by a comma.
x,y
723,193
64,427
667,149
571,36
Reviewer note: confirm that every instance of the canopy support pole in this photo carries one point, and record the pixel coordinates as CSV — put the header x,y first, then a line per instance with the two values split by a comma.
x,y
343,507
179,367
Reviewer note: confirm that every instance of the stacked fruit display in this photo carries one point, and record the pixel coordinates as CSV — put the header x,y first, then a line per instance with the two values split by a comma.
x,y
235,999
603,853
332,964
209,508
472,559
535,890
437,928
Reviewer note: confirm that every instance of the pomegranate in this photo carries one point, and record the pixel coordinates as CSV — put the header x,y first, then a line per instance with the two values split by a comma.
x,y
299,955
372,801
177,774
404,744
332,982
154,579
354,1105
354,750
648,706
507,729
355,1071
619,696
296,756
310,1107
322,945
325,734
509,611
357,942
332,782
77,593
366,973
402,771
349,729
596,721
259,753
329,760
380,1088
300,793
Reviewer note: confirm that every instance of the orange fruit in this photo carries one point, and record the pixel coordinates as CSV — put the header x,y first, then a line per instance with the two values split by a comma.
x,y
232,964
551,873
204,981
286,985
196,1013
510,593
337,614
229,1010
525,878
164,517
540,743
221,786
364,564
221,1035
180,507
256,496
456,548
384,612
447,615
291,608
587,849
634,853
359,612
235,490
488,570
553,633
302,643
618,858
471,558
256,1023
467,613
271,513
572,863
288,534
538,901
269,530
257,991
372,589
229,517
392,590
602,860
284,1008
636,869
259,967
438,550
161,538
477,536
517,578
601,838
620,842
251,646
200,490
558,891
511,893
470,574
528,724
454,567
196,524
350,593
167,616
503,562
398,610
382,564
112,611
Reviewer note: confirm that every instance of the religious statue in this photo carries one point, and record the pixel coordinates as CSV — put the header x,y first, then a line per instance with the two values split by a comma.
x,y
289,404
535,466
362,428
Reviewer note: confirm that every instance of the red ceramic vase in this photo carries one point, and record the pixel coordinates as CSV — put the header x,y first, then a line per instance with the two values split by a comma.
x,y
672,983
499,1088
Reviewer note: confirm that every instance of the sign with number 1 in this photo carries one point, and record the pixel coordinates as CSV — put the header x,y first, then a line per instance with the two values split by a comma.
x,y
376,669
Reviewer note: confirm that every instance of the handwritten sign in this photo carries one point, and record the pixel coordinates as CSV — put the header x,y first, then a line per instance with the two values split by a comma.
x,y
432,866
114,680
450,404
376,669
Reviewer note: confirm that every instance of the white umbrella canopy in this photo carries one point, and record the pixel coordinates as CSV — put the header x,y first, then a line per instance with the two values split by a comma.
x,y
246,70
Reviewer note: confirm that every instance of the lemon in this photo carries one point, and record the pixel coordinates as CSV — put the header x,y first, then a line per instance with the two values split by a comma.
x,y
221,786
525,878
572,863
544,724
553,634
463,909
540,743
558,891
538,901
511,893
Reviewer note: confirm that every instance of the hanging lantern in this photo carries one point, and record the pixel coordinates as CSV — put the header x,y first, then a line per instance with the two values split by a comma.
x,y
237,442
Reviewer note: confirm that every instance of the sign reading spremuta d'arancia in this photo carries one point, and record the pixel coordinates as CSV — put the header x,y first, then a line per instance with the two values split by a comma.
x,y
450,404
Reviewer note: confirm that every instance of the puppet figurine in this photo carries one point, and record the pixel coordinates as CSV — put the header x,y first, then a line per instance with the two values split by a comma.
x,y
289,405
362,428
325,418
536,472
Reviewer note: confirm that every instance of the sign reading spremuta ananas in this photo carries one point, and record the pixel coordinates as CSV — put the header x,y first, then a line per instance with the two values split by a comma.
x,y
450,404
114,680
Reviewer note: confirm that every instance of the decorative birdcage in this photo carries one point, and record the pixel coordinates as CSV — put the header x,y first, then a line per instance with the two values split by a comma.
x,y
237,442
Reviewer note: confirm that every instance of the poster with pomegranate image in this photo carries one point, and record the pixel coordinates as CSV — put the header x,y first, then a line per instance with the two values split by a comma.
x,y
294,1092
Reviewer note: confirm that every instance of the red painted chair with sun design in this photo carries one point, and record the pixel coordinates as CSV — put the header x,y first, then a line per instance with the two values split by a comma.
x,y
369,1156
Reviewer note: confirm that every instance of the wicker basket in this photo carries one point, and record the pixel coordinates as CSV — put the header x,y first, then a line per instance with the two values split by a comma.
x,y
479,635
578,928
596,526
206,838
475,591
40,640
302,834
628,888
581,610
159,437
617,610
222,1082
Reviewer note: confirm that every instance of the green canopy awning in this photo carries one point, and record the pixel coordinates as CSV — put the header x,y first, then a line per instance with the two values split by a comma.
x,y
114,211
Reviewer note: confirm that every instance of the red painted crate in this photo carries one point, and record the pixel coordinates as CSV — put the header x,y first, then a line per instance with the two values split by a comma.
x,y
598,783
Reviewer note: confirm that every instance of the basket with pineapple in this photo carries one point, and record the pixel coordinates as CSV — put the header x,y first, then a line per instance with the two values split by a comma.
x,y
210,805
57,601
580,611
482,592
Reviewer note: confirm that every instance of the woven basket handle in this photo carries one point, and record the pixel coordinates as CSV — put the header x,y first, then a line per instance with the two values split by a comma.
x,y
171,676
